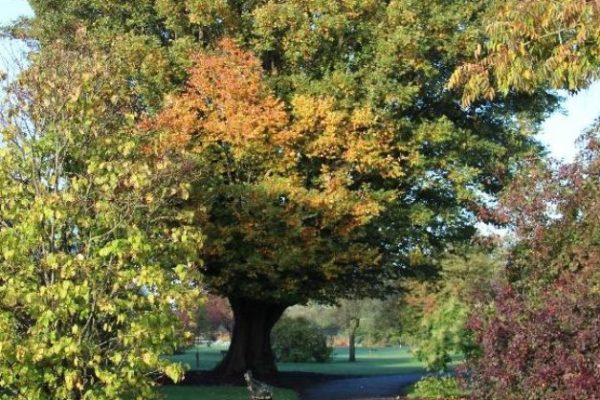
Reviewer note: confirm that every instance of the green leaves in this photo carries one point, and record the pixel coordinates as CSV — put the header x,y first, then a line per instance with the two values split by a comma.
x,y
532,44
94,262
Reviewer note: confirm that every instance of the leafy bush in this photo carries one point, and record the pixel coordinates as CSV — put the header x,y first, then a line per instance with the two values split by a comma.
x,y
433,387
540,351
442,332
299,340
539,336
435,314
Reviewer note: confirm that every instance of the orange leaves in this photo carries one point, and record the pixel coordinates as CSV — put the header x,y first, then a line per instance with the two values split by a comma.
x,y
275,185
226,101
228,106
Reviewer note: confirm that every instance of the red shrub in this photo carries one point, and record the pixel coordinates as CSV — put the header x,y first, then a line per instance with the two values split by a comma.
x,y
540,351
539,336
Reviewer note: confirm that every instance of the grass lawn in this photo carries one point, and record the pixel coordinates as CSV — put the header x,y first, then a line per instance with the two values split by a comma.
x,y
217,393
376,361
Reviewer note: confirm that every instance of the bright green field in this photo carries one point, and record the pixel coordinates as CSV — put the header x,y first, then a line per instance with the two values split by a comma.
x,y
387,360
217,393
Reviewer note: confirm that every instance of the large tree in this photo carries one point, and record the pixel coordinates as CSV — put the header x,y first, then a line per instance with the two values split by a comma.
x,y
330,155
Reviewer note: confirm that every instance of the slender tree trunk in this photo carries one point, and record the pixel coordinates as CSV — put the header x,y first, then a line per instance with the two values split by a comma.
x,y
250,347
354,323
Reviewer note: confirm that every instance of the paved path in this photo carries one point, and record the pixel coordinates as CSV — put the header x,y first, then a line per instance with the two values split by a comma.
x,y
363,388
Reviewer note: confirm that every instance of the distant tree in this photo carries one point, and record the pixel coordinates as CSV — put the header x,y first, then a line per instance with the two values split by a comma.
x,y
215,314
350,314
377,325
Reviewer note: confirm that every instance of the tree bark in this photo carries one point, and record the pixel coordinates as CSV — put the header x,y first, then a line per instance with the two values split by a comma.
x,y
250,347
354,323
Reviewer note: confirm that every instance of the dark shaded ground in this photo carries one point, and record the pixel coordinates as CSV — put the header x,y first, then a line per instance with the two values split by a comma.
x,y
363,388
297,381
313,386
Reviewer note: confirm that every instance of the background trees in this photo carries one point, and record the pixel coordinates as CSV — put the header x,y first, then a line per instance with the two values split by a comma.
x,y
94,261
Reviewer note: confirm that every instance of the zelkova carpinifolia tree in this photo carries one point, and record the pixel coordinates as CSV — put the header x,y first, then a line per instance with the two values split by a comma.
x,y
287,196
280,227
94,259
331,156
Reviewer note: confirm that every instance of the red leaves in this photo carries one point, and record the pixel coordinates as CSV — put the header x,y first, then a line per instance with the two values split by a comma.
x,y
548,351
543,339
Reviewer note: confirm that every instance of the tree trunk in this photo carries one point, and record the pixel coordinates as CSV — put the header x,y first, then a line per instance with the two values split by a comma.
x,y
250,347
354,323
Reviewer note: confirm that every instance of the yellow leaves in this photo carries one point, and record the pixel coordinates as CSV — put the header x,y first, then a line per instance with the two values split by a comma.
x,y
184,189
127,147
362,118
150,358
73,381
20,353
309,112
416,257
8,253
532,43
474,81
174,371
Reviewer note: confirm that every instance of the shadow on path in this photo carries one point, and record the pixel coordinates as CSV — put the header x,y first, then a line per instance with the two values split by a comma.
x,y
317,386
360,388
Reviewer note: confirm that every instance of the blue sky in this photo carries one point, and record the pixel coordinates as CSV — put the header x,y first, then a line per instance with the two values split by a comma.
x,y
559,131
11,9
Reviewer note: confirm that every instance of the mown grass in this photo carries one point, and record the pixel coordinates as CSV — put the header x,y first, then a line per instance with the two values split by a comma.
x,y
369,361
217,393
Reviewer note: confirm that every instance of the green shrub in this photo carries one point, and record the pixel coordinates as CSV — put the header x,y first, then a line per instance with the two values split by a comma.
x,y
433,387
441,333
299,340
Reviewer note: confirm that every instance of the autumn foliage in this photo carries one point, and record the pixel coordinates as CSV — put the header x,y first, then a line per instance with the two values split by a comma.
x,y
280,191
531,44
314,144
539,339
95,262
263,169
